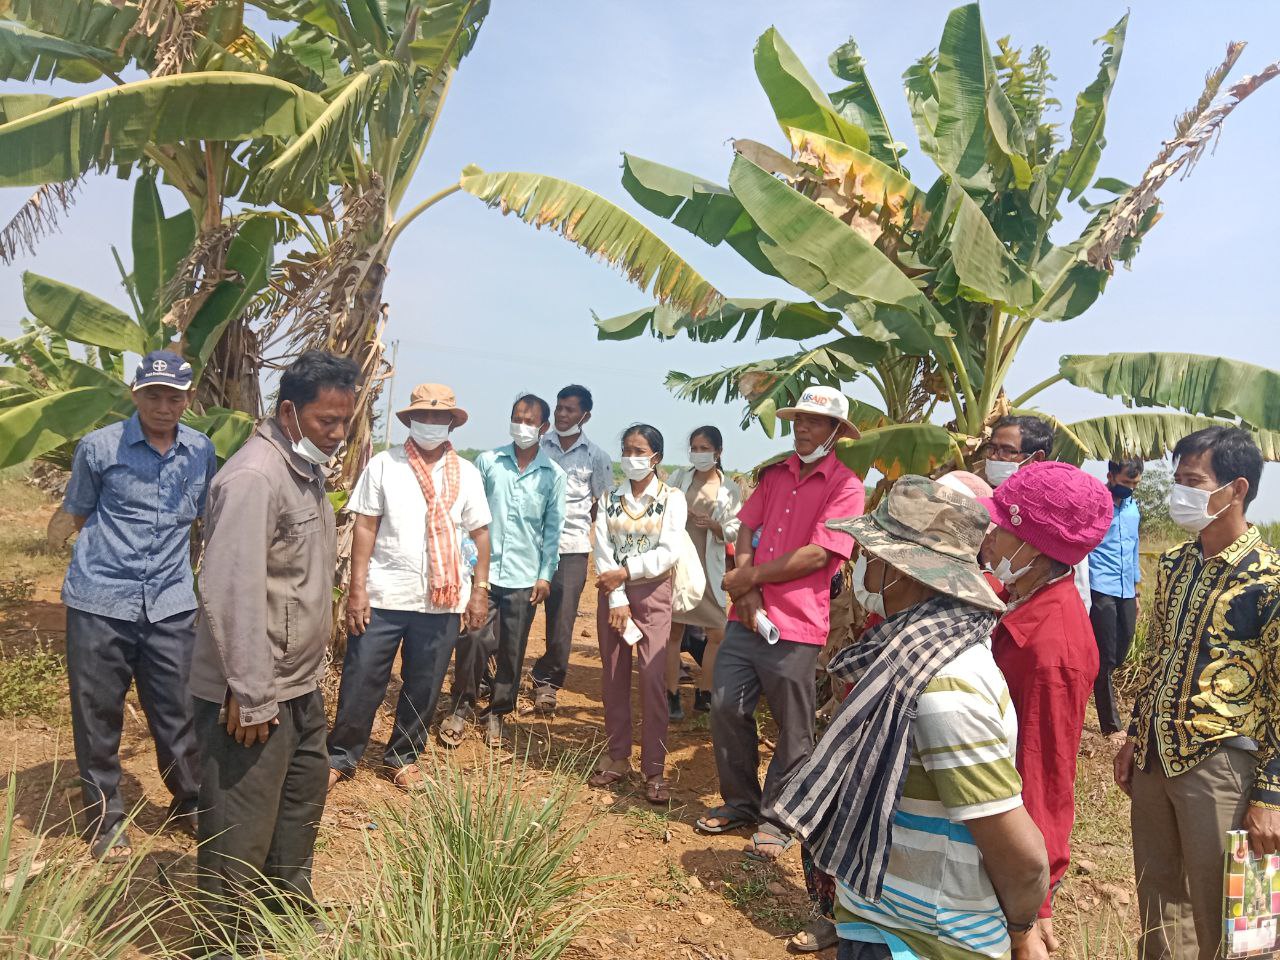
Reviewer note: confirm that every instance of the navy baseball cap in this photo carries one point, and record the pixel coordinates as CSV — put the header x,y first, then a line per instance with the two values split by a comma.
x,y
163,368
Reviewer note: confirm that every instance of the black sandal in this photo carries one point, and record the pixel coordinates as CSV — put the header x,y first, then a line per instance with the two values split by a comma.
x,y
730,821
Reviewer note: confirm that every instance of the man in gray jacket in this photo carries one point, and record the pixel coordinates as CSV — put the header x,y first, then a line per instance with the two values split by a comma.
x,y
266,615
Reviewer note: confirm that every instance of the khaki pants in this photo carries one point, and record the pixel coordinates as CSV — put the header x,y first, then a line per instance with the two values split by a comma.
x,y
1179,841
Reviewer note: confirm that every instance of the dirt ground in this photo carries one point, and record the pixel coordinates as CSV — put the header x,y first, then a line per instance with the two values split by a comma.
x,y
670,891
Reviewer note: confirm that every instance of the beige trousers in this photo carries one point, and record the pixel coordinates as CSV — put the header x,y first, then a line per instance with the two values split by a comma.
x,y
1179,842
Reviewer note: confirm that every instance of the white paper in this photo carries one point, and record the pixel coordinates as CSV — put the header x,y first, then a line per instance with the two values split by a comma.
x,y
632,634
766,629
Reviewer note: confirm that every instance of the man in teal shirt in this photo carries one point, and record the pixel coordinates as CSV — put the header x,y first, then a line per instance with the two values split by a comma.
x,y
526,492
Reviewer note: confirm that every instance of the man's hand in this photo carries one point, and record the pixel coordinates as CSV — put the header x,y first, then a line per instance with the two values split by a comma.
x,y
1029,945
618,617
358,611
477,609
541,590
247,735
611,580
1263,825
740,581
1122,768
747,606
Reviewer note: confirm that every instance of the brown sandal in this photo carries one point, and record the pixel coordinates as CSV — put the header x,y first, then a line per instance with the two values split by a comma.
x,y
405,780
657,791
605,778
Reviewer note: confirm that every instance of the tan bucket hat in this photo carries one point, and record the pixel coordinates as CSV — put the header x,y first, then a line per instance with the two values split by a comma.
x,y
824,402
433,396
932,534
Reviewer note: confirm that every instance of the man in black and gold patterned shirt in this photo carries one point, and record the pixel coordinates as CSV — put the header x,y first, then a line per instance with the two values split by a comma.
x,y
1203,751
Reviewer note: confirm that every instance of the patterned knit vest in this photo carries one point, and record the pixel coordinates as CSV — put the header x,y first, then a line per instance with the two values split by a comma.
x,y
631,535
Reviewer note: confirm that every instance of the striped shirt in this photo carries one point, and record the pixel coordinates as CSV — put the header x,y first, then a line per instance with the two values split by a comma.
x,y
937,897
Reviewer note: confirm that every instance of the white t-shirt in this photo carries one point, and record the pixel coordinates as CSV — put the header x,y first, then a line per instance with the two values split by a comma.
x,y
398,569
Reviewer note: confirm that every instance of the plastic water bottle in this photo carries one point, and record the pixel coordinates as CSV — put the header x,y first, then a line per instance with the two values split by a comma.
x,y
469,553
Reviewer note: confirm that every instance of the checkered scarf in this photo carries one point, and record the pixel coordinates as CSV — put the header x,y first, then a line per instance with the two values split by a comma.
x,y
842,801
443,556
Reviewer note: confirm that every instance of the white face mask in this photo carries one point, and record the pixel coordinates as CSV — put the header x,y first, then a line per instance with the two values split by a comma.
x,y
307,450
572,431
702,460
637,468
870,602
1189,507
428,435
524,435
1004,571
821,450
998,471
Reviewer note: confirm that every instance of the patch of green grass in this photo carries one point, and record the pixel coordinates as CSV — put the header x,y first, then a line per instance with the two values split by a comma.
x,y
653,821
746,886
31,683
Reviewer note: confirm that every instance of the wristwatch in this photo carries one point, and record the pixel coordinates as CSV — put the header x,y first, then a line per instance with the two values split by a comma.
x,y
482,584
1020,927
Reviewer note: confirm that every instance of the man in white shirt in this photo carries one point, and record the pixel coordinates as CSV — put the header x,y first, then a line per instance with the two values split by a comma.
x,y
410,585
589,474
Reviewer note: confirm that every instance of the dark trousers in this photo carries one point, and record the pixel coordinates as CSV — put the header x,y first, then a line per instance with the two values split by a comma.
x,y
746,667
504,635
104,656
551,668
425,642
1113,620
260,808
856,950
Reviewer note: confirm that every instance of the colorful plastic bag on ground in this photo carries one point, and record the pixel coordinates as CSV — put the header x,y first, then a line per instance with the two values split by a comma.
x,y
1251,900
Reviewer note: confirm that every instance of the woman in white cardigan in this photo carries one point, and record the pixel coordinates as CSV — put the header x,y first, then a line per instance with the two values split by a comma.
x,y
713,504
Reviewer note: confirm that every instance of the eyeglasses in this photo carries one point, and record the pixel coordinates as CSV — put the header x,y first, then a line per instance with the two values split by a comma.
x,y
999,451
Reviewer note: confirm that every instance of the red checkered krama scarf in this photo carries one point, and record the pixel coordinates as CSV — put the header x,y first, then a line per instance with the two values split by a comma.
x,y
444,560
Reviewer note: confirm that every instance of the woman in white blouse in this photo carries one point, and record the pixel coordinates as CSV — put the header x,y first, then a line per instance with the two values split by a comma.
x,y
713,506
635,542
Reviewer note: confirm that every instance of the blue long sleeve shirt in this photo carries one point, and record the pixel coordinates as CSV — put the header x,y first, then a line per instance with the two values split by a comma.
x,y
1113,566
528,516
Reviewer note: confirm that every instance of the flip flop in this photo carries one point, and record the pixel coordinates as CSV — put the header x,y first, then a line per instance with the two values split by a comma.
x,y
605,778
404,780
730,821
767,846
657,792
818,934
112,847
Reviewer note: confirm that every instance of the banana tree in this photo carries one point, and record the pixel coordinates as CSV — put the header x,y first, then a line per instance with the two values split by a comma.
x,y
49,398
926,290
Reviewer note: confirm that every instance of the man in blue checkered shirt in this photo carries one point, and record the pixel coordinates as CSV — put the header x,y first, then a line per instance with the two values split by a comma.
x,y
136,488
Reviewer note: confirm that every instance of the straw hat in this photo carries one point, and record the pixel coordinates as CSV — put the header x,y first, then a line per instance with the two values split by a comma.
x,y
433,396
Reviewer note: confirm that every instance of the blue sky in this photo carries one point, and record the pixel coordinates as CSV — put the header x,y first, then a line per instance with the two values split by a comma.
x,y
563,86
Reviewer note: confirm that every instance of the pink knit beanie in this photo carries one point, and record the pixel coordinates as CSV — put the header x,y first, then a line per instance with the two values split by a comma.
x,y
1057,508
969,484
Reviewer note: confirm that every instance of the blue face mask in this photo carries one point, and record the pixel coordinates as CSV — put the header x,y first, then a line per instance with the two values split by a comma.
x,y
1120,491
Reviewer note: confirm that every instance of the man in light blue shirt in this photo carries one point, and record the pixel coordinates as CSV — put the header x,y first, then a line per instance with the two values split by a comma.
x,y
136,487
1114,575
526,493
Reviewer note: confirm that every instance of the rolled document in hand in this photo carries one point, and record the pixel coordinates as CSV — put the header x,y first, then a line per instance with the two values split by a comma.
x,y
766,629
632,634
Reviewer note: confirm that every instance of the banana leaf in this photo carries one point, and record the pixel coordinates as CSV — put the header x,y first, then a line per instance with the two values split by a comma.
x,y
1148,436
603,230
900,449
159,245
80,316
796,99
1208,386
781,319
29,54
228,429
32,429
250,256
858,104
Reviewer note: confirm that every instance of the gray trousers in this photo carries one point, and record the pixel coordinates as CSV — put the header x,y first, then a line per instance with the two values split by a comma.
x,y
746,667
260,809
1179,842
105,656
562,612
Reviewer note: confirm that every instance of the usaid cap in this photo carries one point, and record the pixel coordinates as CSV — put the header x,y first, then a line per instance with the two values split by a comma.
x,y
163,368
825,402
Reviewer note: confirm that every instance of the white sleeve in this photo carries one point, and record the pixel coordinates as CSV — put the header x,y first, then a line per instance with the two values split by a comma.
x,y
1082,583
659,560
368,499
729,524
602,552
475,505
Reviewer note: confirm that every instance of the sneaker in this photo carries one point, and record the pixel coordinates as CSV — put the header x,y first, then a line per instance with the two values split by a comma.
x,y
675,710
496,731
702,701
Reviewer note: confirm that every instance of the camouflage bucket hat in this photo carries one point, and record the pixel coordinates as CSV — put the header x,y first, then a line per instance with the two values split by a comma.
x,y
932,534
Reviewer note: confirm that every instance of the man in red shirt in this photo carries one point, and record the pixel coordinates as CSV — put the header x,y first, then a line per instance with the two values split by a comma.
x,y
1048,517
780,581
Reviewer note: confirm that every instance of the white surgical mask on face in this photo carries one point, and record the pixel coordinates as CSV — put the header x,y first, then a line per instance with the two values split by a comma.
x,y
821,450
1189,507
428,435
524,435
306,449
637,468
1004,571
572,431
702,460
998,471
872,602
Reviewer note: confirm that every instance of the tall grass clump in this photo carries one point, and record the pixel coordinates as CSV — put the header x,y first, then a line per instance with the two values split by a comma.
x,y
57,905
468,868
